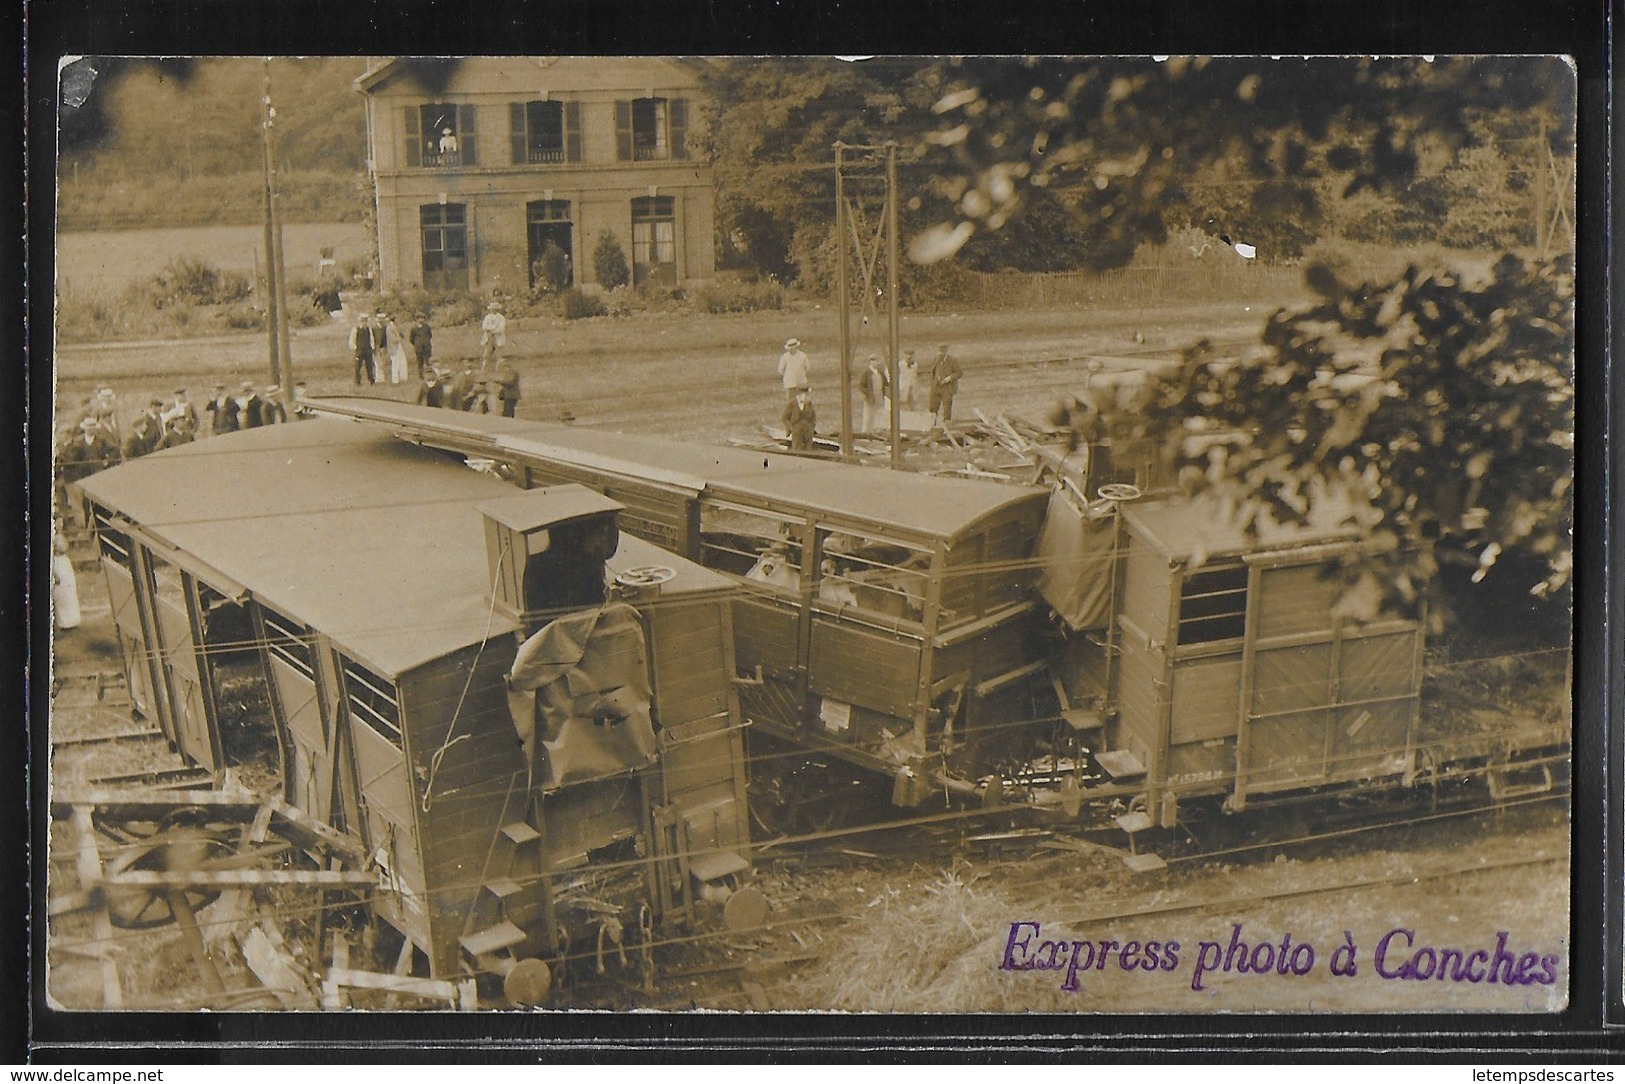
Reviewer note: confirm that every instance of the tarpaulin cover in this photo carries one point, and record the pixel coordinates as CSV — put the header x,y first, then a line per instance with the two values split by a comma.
x,y
581,686
1075,563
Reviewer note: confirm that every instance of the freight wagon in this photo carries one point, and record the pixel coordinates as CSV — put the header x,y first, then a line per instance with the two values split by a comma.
x,y
974,641
532,768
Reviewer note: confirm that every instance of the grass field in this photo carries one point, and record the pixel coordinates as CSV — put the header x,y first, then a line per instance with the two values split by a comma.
x,y
103,262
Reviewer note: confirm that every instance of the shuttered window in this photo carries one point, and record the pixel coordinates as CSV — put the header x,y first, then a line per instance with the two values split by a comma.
x,y
440,135
544,132
373,700
651,129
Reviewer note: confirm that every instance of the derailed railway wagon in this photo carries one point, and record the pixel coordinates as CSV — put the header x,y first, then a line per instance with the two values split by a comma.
x,y
1009,645
534,770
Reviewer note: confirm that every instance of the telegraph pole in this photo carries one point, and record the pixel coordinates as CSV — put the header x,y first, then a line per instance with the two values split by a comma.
x,y
842,303
271,308
282,365
847,233
891,302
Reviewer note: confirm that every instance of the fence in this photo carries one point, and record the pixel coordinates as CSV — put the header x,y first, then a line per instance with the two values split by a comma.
x,y
1136,287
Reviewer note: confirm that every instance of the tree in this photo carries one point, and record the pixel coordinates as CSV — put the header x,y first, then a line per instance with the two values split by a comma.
x,y
1436,415
609,262
1121,137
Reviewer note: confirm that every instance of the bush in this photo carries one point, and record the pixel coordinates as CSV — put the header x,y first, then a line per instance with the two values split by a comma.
x,y
733,295
609,262
189,281
578,305
552,269
243,317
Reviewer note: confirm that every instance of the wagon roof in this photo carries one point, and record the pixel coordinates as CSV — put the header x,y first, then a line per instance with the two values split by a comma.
x,y
364,538
916,504
1182,527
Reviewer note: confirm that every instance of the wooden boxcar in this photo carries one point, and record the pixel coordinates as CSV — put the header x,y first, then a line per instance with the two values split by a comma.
x,y
1004,643
886,619
355,575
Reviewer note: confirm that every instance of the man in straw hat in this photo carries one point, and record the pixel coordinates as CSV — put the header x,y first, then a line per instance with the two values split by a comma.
x,y
493,333
793,369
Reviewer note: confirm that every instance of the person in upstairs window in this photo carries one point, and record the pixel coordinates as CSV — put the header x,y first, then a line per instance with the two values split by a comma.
x,y
448,141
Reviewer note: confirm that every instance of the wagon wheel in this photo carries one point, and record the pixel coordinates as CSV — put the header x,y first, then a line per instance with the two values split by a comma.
x,y
645,576
804,801
1118,491
138,907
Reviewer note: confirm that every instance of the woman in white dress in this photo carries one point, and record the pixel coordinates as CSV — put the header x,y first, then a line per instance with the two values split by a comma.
x,y
64,585
397,352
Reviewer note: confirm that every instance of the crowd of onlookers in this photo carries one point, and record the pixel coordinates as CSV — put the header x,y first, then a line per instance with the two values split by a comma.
x,y
800,419
103,435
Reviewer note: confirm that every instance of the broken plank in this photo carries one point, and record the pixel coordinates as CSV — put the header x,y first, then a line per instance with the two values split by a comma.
x,y
243,878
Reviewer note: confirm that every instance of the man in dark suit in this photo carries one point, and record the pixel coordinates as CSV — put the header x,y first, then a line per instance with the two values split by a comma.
x,y
801,420
223,412
249,406
421,337
146,431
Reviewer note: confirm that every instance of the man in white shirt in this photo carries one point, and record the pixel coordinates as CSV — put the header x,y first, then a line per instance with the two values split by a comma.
x,y
793,369
493,333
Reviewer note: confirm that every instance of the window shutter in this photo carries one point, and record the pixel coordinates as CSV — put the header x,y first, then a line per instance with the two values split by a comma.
x,y
572,131
679,127
516,132
623,131
465,134
414,139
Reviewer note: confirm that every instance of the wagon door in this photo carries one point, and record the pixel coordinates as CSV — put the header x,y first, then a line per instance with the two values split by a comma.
x,y
179,663
291,662
1322,701
373,706
117,566
770,616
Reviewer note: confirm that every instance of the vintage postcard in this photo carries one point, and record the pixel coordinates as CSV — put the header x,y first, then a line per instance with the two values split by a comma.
x,y
908,534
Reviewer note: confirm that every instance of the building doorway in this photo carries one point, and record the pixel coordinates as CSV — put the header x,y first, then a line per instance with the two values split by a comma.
x,y
547,224
445,246
654,241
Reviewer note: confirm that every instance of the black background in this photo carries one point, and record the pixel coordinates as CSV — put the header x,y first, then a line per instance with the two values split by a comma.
x,y
51,29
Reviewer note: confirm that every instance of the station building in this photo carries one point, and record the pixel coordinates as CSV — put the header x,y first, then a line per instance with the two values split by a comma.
x,y
480,164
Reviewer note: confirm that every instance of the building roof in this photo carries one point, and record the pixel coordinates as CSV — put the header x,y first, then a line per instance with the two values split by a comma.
x,y
1184,527
367,539
915,504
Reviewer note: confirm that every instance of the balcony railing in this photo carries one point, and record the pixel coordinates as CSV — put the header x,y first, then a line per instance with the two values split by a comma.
x,y
650,154
443,160
546,156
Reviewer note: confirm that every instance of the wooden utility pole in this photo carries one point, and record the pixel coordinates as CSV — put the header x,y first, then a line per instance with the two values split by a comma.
x,y
270,231
891,303
842,303
847,228
282,364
